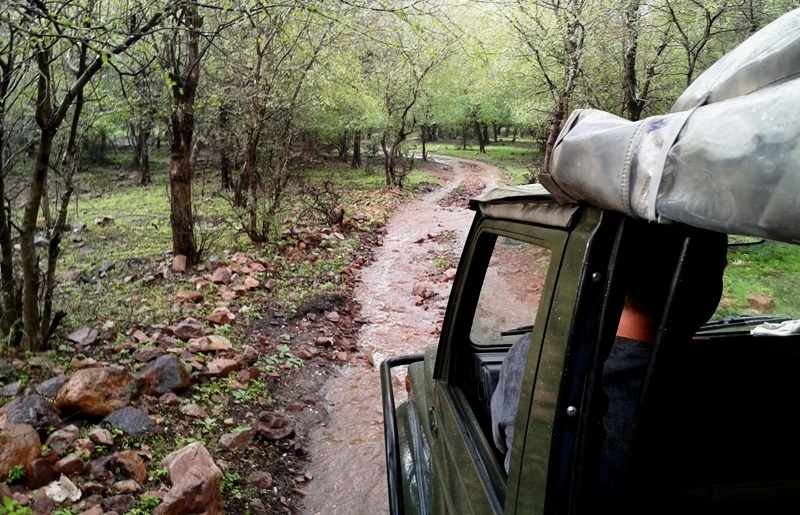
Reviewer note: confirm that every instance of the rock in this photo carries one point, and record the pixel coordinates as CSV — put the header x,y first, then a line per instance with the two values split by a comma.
x,y
118,503
163,375
60,440
101,436
83,447
170,399
39,472
179,263
760,302
273,426
221,367
261,480
41,504
193,297
104,221
332,316
269,285
221,316
195,482
83,336
126,486
92,488
94,510
187,329
210,343
147,353
251,284
10,390
62,489
51,387
449,274
132,421
193,410
140,336
70,464
324,341
238,440
33,410
96,391
105,268
128,464
222,275
248,374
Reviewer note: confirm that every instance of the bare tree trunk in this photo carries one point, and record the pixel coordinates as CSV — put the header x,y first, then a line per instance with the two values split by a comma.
x,y
9,314
343,147
423,137
225,165
388,161
144,153
185,76
495,130
356,160
479,135
464,136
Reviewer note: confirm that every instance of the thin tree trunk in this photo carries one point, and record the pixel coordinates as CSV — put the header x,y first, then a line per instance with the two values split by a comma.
x,y
423,137
464,136
225,165
9,315
144,152
388,162
356,160
343,147
479,135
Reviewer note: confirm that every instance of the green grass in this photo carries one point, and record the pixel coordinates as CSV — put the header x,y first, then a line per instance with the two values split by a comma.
x,y
771,269
517,159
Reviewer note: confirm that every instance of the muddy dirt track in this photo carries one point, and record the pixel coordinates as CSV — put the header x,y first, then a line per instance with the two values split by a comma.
x,y
347,454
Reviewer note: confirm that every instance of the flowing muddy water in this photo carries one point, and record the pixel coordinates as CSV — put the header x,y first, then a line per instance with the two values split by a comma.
x,y
347,455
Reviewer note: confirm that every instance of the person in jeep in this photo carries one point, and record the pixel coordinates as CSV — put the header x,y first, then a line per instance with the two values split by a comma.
x,y
647,285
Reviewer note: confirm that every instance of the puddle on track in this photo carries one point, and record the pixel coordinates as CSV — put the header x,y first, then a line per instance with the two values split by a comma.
x,y
347,456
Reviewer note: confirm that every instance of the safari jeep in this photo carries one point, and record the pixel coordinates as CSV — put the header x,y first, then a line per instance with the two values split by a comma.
x,y
715,428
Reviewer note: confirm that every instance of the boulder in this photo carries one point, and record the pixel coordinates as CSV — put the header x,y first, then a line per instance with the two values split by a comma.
x,y
128,464
19,445
238,440
210,343
33,410
132,421
163,375
97,391
187,329
39,473
60,440
221,316
51,387
222,275
195,482
83,336
222,367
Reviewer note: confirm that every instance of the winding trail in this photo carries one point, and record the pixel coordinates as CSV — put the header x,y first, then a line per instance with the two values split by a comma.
x,y
347,455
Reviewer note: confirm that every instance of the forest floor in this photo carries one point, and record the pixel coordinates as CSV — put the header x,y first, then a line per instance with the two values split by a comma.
x,y
299,316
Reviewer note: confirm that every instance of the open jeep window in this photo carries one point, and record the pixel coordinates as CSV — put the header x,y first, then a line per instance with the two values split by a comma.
x,y
511,291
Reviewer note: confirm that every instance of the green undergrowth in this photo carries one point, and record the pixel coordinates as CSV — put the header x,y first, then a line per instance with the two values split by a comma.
x,y
517,159
770,269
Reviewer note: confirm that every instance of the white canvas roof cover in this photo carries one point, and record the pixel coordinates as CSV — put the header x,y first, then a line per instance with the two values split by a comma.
x,y
526,203
726,157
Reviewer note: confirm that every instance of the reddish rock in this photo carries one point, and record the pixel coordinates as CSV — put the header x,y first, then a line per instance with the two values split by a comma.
x,y
192,297
251,284
101,436
163,375
94,510
179,263
195,482
273,426
332,316
221,316
222,275
83,446
128,464
238,440
126,486
187,329
324,341
71,464
222,367
261,480
760,302
147,353
83,336
119,503
170,399
210,343
39,472
193,410
269,285
60,440
240,290
96,391
247,375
